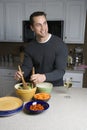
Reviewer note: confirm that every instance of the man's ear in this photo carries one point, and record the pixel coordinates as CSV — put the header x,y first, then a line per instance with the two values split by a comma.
x,y
31,27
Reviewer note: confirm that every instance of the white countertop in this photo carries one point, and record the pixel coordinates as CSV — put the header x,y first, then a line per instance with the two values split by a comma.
x,y
75,70
63,114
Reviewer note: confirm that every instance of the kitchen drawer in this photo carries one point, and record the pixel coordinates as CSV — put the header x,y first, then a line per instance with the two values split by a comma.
x,y
6,87
7,81
77,78
7,72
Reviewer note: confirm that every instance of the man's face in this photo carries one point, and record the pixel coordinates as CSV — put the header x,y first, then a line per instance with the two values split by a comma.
x,y
40,26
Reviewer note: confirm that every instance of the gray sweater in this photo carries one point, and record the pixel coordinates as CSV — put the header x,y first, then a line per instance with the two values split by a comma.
x,y
49,58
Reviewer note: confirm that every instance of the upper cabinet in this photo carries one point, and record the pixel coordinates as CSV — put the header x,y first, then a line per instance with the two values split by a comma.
x,y
1,22
31,7
73,12
54,10
14,17
75,22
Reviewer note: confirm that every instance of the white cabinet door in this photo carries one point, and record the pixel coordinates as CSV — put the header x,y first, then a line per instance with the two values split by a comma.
x,y
55,10
14,17
1,21
75,22
77,78
7,82
32,7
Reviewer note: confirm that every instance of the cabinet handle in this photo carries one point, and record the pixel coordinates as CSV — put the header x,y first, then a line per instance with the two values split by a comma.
x,y
76,81
71,78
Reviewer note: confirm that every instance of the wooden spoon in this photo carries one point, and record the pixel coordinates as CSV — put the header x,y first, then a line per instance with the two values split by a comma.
x,y
33,72
23,81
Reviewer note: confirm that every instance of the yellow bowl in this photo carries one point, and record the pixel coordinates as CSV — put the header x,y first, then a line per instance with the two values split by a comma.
x,y
24,94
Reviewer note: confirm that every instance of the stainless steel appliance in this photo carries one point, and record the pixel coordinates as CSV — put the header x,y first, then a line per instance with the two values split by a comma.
x,y
78,56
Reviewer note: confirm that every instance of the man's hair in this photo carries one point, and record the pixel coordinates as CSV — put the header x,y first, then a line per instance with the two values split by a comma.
x,y
38,13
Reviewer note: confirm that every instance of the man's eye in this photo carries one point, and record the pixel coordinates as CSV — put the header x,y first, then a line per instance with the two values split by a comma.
x,y
45,23
37,25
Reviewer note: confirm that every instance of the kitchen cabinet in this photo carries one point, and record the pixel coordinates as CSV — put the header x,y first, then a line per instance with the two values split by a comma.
x,y
7,81
77,78
72,12
11,16
31,7
54,10
48,7
75,22
1,22
14,17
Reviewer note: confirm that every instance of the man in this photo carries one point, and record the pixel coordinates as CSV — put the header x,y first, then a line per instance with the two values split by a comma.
x,y
47,53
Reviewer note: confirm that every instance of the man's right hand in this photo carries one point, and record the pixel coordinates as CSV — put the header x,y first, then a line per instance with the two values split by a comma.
x,y
18,75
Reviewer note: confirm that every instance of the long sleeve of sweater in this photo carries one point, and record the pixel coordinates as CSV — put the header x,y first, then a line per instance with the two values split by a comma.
x,y
48,58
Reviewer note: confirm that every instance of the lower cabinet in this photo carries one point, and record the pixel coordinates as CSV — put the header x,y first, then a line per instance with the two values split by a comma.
x,y
7,81
77,78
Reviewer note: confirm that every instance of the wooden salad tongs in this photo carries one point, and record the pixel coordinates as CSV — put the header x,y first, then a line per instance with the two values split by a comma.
x,y
33,72
25,86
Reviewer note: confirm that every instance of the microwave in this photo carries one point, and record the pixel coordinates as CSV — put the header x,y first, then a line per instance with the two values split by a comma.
x,y
54,27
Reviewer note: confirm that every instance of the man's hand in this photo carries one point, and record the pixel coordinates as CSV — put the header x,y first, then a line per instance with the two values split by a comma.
x,y
18,75
38,78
